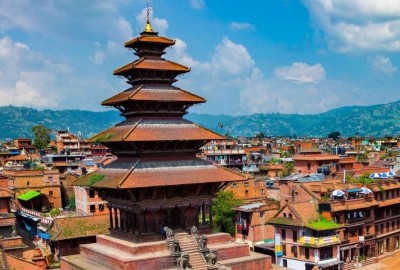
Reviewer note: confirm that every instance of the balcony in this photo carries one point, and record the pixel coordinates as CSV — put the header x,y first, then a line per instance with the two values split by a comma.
x,y
319,241
354,221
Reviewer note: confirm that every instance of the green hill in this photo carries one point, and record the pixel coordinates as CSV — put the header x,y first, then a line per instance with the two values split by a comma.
x,y
375,120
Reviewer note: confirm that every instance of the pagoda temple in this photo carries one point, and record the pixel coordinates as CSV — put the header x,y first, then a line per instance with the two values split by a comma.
x,y
157,181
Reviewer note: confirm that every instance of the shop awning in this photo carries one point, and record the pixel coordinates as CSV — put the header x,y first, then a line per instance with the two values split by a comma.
x,y
28,195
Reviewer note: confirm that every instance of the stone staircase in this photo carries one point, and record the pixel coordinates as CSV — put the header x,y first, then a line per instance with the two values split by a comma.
x,y
352,265
189,245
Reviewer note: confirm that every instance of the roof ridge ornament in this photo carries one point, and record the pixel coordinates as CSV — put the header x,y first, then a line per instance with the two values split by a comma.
x,y
148,28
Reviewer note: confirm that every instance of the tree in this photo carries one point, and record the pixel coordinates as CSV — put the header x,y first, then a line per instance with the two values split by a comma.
x,y
334,135
71,202
42,136
260,136
288,169
224,216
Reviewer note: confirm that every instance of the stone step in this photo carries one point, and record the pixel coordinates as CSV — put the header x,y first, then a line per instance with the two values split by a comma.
x,y
82,263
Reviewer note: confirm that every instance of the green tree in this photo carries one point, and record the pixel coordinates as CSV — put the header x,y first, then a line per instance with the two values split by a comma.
x,y
42,136
334,135
288,169
260,136
71,202
224,216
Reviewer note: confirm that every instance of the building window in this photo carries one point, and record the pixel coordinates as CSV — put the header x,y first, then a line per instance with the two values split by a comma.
x,y
91,193
290,216
234,184
92,208
50,193
283,234
261,214
246,192
246,184
262,191
307,253
308,166
326,253
27,183
295,236
284,215
101,207
294,251
284,250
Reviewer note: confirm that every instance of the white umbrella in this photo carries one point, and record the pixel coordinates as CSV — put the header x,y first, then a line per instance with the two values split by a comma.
x,y
391,174
337,193
383,175
375,175
365,190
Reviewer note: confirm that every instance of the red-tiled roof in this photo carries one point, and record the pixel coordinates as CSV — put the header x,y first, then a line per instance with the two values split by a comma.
x,y
121,174
157,64
20,157
156,130
166,93
149,39
316,157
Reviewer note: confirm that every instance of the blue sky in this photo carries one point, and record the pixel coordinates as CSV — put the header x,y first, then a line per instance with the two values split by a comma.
x,y
285,56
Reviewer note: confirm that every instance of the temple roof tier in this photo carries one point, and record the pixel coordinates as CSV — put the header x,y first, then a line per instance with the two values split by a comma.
x,y
161,93
135,42
162,129
152,64
124,174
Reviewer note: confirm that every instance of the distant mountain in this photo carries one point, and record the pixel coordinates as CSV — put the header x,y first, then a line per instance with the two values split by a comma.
x,y
375,120
18,121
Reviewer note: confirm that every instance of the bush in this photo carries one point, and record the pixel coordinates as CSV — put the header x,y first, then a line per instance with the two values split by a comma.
x,y
54,212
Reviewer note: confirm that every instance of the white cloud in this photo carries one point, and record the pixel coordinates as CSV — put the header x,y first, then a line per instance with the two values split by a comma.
x,y
231,57
159,25
382,64
27,78
197,4
241,26
301,73
366,25
98,57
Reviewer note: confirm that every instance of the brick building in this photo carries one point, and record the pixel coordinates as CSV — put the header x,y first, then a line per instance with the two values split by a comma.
x,y
46,183
304,239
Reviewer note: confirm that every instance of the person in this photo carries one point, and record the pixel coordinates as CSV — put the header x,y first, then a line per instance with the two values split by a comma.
x,y
163,230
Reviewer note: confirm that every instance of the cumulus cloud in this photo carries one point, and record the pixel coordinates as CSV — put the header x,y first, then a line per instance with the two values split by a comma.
x,y
197,4
301,73
382,64
366,25
241,26
26,78
233,84
231,57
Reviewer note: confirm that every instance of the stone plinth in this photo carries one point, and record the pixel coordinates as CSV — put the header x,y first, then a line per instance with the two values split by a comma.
x,y
118,254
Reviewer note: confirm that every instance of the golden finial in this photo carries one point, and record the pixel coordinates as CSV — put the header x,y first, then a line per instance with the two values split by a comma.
x,y
148,25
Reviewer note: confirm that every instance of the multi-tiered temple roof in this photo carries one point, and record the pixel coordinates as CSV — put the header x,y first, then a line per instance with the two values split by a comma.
x,y
157,169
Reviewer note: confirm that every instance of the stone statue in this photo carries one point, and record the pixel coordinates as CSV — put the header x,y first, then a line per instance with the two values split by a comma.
x,y
175,247
56,252
212,257
14,231
203,242
183,262
194,231
169,233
